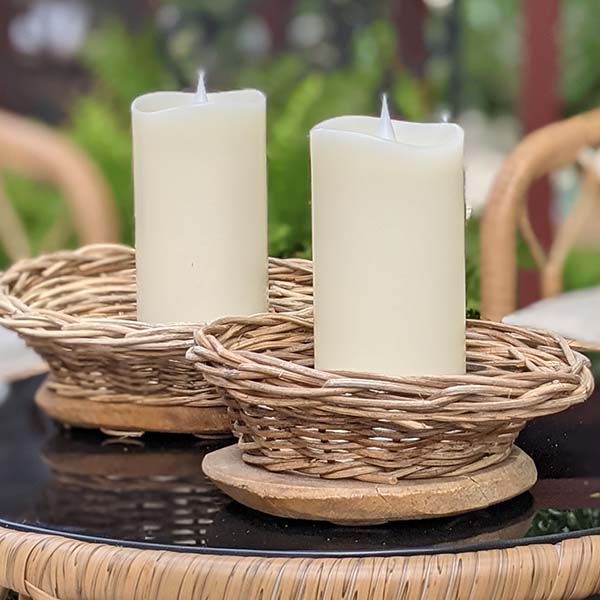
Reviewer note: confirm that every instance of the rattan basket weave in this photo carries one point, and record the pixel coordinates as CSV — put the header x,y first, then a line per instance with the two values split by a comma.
x,y
292,418
77,309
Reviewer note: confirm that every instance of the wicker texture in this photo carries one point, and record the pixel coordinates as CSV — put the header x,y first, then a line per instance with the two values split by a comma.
x,y
540,153
77,309
54,568
290,417
40,153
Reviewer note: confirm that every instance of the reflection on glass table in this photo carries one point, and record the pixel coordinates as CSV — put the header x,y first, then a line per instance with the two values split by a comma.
x,y
151,491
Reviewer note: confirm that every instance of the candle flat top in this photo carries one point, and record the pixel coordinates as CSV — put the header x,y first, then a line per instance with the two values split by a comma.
x,y
406,133
159,102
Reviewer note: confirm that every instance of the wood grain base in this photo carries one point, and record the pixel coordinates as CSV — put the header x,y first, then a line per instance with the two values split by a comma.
x,y
348,502
122,418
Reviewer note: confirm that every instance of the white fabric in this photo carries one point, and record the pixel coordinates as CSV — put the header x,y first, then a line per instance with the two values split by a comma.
x,y
16,358
574,315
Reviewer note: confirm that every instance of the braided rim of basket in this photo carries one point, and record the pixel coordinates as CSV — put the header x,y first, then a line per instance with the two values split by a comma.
x,y
290,417
77,309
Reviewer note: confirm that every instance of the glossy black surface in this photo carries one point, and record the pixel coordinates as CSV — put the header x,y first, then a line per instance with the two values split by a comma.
x,y
152,492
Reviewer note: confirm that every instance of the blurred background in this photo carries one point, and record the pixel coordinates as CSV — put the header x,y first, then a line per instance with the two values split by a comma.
x,y
501,68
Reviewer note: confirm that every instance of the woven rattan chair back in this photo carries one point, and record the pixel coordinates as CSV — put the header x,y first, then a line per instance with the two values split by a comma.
x,y
540,153
37,152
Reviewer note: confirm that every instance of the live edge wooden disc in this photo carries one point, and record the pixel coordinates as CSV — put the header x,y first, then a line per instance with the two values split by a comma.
x,y
126,418
349,502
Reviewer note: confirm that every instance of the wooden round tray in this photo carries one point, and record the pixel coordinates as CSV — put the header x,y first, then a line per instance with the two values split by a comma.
x,y
351,502
128,419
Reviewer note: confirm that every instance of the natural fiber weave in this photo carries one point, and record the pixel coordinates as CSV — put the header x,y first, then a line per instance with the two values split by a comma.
x,y
77,309
47,567
290,417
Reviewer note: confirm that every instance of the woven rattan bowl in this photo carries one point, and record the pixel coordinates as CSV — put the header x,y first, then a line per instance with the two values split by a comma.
x,y
77,309
291,418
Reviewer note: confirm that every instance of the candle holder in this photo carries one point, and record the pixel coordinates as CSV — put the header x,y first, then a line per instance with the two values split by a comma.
x,y
363,448
108,371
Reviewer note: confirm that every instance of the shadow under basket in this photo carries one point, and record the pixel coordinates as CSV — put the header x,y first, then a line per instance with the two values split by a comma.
x,y
363,448
108,371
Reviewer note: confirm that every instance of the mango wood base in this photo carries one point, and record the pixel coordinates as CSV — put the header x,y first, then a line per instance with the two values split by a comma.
x,y
123,418
348,502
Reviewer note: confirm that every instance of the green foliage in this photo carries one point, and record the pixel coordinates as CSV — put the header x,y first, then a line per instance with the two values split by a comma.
x,y
410,97
289,215
123,67
278,77
580,51
548,522
472,267
491,54
96,127
582,269
296,107
38,205
473,314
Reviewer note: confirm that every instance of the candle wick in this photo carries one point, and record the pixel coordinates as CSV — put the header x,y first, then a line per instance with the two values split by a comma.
x,y
201,95
386,129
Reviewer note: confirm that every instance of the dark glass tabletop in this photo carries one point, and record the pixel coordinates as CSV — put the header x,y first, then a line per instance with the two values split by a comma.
x,y
150,492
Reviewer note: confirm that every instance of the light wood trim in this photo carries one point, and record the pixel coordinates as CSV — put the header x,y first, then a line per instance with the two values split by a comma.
x,y
543,151
36,151
12,232
585,206
51,567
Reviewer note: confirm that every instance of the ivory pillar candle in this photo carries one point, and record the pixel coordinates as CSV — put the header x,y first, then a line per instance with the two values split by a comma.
x,y
388,246
200,205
